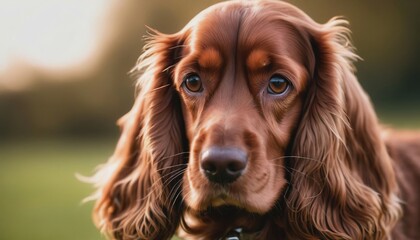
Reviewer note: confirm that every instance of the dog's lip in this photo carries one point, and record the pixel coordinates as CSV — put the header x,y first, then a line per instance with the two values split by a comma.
x,y
225,200
220,198
216,195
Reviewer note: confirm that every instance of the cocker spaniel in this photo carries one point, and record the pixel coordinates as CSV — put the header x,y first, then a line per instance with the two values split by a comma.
x,y
249,123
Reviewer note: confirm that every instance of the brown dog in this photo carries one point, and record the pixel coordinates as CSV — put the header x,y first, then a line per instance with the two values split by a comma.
x,y
250,122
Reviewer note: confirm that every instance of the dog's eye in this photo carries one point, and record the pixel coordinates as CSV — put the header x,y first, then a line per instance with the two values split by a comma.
x,y
193,83
278,85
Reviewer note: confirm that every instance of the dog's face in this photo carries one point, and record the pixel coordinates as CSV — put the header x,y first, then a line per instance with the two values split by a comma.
x,y
280,136
241,81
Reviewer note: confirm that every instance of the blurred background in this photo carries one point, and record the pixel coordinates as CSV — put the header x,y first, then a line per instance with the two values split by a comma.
x,y
64,83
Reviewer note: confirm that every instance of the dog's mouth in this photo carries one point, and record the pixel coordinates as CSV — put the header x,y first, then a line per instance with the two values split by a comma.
x,y
239,223
225,200
225,196
200,194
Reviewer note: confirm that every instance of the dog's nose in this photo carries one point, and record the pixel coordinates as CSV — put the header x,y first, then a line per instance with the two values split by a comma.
x,y
223,165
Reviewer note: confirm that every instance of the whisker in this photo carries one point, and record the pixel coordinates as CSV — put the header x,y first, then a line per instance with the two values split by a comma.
x,y
178,46
285,199
168,68
162,178
171,156
290,170
298,157
179,193
175,175
184,196
164,183
173,166
158,88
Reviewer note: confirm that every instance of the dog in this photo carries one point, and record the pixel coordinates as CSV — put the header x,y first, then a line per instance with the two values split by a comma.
x,y
249,123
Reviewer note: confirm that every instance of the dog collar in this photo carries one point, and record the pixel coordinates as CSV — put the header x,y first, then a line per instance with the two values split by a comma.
x,y
238,234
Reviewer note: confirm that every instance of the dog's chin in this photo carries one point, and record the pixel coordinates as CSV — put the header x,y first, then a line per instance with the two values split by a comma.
x,y
200,197
228,216
222,201
225,200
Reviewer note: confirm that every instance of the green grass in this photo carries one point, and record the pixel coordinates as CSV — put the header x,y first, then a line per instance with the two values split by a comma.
x,y
400,119
40,196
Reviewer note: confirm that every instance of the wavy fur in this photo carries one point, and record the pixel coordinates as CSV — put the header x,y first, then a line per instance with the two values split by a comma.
x,y
340,129
330,171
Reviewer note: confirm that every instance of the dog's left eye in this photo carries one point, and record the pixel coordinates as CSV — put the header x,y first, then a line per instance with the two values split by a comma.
x,y
278,85
193,83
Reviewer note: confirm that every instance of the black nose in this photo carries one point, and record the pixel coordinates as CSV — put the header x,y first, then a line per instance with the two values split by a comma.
x,y
223,165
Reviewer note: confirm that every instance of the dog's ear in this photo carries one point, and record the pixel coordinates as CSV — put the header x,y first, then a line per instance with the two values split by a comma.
x,y
343,185
138,189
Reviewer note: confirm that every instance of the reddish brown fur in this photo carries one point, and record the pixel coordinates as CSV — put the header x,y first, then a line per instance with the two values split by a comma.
x,y
319,166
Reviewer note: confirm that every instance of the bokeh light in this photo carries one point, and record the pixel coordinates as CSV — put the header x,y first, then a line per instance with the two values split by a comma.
x,y
49,33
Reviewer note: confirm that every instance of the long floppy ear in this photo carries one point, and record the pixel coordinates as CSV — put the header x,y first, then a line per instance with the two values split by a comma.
x,y
138,189
343,183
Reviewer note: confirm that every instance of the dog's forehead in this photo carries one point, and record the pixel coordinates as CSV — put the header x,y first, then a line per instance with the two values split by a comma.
x,y
238,38
239,31
216,29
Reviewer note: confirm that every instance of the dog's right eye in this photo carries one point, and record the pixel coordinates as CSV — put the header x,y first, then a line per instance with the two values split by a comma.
x,y
193,83
278,85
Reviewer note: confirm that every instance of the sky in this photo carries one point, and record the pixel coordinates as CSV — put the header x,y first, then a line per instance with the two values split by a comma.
x,y
49,33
